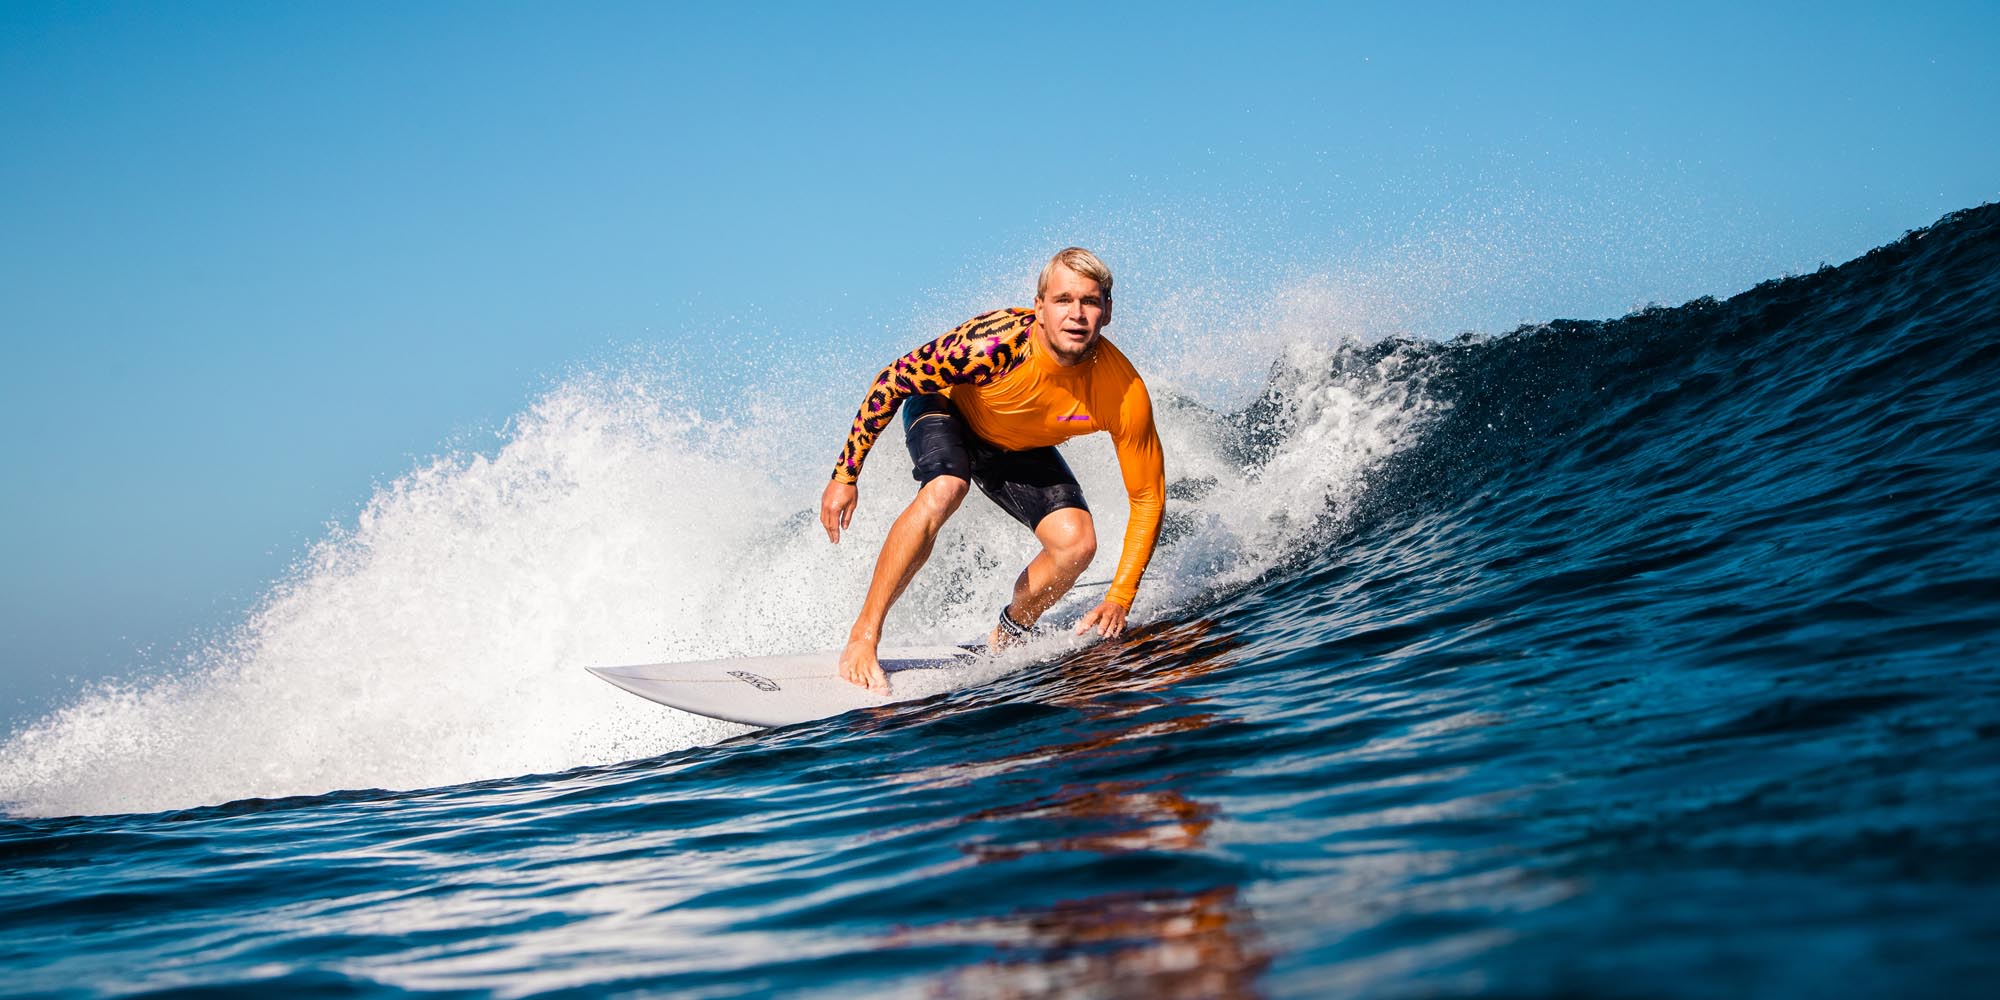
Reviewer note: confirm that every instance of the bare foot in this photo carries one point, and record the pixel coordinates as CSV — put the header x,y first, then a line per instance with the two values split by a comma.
x,y
858,666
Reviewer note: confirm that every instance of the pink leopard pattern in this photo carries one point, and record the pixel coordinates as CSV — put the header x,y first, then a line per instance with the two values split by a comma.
x,y
975,353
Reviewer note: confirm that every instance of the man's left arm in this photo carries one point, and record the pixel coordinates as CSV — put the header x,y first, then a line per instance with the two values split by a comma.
x,y
1142,464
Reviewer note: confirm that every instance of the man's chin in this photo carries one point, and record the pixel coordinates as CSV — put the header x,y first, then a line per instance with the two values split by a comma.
x,y
1071,351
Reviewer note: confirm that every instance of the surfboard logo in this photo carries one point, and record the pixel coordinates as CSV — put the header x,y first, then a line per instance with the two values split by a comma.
x,y
758,681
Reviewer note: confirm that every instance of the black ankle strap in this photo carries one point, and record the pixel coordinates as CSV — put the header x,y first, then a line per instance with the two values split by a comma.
x,y
1013,629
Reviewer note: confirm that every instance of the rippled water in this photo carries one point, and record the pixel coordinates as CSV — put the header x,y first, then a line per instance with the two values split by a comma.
x,y
1652,657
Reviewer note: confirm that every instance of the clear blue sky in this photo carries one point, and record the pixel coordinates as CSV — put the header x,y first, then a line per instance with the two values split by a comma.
x,y
257,257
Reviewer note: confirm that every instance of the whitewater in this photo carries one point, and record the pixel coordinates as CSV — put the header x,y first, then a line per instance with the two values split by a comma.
x,y
441,638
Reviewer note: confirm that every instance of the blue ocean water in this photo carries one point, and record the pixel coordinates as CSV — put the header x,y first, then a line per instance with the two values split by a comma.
x,y
1653,657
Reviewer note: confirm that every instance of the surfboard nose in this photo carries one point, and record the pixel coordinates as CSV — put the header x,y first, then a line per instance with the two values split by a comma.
x,y
622,678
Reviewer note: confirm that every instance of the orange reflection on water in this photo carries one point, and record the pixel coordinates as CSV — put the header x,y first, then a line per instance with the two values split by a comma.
x,y
1132,818
1155,944
1159,657
1151,659
1146,941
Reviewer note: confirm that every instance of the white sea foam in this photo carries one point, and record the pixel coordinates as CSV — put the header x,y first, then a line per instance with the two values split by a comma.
x,y
440,637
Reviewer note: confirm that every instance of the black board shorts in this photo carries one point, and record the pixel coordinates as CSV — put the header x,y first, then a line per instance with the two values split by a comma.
x,y
1029,485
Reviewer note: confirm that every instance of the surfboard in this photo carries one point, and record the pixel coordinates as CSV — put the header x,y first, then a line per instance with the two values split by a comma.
x,y
775,691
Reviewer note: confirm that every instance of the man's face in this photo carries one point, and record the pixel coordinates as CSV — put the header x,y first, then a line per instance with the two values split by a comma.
x,y
1069,314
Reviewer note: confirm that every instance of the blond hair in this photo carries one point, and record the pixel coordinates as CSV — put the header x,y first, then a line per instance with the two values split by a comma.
x,y
1080,261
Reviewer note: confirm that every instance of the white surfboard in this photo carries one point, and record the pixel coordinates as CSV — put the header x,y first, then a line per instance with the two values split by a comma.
x,y
782,690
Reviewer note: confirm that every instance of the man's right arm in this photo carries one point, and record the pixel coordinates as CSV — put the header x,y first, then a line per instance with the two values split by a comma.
x,y
971,354
974,353
907,376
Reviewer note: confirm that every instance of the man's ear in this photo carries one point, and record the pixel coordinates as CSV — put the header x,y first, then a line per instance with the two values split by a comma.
x,y
1107,313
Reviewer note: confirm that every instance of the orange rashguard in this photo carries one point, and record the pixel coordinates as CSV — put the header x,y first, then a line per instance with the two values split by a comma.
x,y
1016,397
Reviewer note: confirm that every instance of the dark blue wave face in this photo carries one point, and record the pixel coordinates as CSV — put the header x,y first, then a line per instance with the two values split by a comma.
x,y
1662,666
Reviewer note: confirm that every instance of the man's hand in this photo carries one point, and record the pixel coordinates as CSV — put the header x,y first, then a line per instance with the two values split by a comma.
x,y
1107,618
836,508
858,665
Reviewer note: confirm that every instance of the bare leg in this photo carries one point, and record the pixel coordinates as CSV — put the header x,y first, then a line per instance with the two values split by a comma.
x,y
1069,542
903,553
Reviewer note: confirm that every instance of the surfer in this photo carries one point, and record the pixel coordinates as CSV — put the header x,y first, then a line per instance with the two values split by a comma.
x,y
987,404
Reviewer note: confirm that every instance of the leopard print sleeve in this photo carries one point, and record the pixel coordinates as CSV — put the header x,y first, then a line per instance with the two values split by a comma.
x,y
975,353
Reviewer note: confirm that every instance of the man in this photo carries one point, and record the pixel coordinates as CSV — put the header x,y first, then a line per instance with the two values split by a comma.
x,y
988,403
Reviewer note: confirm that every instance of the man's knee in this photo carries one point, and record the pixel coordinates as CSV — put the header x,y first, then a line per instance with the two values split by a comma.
x,y
941,496
1069,535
